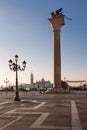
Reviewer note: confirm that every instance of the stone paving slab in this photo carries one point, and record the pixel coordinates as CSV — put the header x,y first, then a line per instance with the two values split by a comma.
x,y
75,119
43,112
82,110
42,117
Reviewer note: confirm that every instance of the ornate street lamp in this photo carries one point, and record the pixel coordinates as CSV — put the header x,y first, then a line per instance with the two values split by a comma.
x,y
15,67
6,81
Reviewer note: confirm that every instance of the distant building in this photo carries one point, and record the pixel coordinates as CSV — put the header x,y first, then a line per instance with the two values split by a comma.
x,y
38,84
31,78
43,84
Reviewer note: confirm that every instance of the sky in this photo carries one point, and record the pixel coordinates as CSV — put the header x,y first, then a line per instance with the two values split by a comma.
x,y
25,31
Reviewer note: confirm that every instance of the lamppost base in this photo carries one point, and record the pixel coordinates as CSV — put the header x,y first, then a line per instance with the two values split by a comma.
x,y
17,99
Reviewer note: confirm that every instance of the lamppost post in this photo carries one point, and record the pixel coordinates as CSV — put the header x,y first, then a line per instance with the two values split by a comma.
x,y
17,98
15,67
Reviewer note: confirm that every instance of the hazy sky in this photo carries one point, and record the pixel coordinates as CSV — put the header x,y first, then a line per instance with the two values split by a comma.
x,y
24,30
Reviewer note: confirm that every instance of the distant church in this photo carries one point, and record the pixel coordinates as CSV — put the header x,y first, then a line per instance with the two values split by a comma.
x,y
39,84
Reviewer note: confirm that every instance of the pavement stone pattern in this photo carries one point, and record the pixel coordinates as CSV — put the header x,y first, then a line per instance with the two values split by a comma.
x,y
43,111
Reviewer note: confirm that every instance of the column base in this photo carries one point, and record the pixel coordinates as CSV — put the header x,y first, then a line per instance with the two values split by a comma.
x,y
59,90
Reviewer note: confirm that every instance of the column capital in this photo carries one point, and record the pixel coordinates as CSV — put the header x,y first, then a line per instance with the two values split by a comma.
x,y
56,22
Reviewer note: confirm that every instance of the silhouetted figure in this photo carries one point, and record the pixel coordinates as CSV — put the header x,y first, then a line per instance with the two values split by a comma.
x,y
53,14
58,11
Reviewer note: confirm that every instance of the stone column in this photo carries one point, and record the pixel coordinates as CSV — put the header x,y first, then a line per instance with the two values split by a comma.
x,y
56,23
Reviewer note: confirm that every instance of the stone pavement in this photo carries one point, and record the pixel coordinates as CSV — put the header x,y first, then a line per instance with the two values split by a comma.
x,y
43,111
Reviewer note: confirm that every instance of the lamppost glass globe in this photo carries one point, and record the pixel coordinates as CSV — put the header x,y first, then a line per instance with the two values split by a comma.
x,y
10,62
16,57
24,63
13,64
